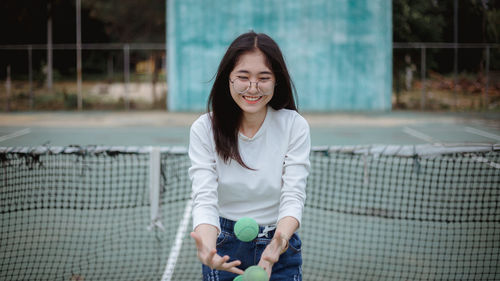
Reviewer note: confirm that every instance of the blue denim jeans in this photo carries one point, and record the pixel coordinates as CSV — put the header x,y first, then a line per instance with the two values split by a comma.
x,y
289,266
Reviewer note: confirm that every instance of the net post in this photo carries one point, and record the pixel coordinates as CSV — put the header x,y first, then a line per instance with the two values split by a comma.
x,y
154,187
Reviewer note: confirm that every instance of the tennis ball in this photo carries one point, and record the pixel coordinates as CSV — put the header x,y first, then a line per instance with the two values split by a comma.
x,y
238,278
255,273
246,229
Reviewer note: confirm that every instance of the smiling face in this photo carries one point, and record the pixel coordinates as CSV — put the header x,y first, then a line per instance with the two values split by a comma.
x,y
250,68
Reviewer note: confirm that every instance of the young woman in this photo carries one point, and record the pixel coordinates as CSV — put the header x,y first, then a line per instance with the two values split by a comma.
x,y
250,158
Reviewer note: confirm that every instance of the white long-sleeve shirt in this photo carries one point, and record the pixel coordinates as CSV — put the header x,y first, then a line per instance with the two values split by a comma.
x,y
279,153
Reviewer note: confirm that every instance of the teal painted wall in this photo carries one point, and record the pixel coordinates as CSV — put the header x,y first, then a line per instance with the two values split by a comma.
x,y
339,52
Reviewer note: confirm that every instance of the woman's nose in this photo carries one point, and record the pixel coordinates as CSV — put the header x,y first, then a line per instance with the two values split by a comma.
x,y
253,87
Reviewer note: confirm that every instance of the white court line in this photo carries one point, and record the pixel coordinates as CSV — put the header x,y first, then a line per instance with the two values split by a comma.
x,y
419,135
15,134
486,161
482,133
430,139
176,248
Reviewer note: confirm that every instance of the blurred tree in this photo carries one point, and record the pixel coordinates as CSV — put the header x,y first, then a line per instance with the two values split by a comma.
x,y
432,21
25,22
130,20
484,28
419,21
414,21
491,23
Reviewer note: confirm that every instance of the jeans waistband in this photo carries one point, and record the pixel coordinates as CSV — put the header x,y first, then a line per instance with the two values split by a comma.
x,y
264,231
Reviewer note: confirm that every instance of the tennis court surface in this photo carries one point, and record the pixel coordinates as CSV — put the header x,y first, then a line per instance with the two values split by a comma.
x,y
399,196
172,129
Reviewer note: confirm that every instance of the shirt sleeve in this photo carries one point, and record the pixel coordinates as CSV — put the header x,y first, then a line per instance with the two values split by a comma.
x,y
295,171
203,175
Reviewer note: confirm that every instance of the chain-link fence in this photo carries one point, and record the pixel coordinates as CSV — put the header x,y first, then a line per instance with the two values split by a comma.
x,y
446,76
426,76
114,76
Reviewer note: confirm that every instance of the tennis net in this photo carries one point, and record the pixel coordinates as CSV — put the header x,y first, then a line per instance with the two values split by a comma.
x,y
372,213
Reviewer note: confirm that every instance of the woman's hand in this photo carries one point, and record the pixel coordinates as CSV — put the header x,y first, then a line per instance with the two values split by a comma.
x,y
271,254
209,257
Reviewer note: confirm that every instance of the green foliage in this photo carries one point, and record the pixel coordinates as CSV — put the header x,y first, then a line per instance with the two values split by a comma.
x,y
433,21
493,29
130,20
418,21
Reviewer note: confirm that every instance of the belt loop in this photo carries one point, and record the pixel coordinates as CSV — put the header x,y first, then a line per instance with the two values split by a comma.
x,y
266,230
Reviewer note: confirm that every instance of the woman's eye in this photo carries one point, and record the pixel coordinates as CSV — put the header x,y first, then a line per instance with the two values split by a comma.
x,y
243,78
264,79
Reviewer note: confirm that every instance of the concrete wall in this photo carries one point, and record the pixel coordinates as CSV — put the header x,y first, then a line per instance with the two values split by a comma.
x,y
339,52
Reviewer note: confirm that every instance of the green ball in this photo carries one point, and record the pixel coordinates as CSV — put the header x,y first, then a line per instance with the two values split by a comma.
x,y
255,273
238,278
246,229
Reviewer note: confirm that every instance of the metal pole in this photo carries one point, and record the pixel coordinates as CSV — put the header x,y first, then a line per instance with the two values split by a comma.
x,y
126,71
8,88
79,55
30,76
486,98
49,46
455,58
110,68
423,71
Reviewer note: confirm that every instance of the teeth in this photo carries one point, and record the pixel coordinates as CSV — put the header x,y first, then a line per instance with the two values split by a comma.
x,y
251,98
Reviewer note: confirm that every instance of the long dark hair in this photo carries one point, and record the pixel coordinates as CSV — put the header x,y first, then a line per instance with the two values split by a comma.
x,y
226,114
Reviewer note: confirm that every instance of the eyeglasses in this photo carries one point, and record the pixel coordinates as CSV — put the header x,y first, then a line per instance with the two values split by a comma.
x,y
242,85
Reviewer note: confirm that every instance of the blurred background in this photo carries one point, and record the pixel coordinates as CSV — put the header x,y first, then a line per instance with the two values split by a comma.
x,y
112,55
97,98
